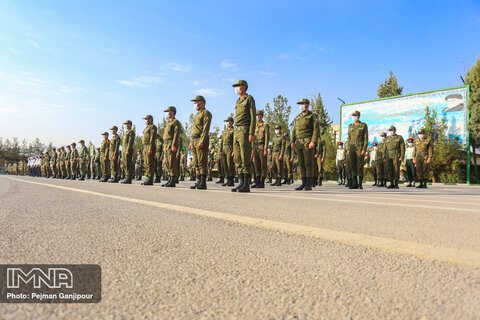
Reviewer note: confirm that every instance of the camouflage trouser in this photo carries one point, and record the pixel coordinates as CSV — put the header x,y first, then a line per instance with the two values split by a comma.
x,y
318,167
83,168
277,165
128,163
105,166
200,157
393,167
149,160
242,150
423,168
68,167
73,168
260,161
115,168
54,169
305,157
171,161
98,169
357,161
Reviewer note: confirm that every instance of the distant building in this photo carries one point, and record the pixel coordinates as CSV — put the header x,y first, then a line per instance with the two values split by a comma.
x,y
335,132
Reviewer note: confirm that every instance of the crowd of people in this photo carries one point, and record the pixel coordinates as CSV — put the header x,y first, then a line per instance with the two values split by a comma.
x,y
247,154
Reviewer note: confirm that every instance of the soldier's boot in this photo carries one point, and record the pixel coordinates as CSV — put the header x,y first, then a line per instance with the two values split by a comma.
x,y
413,185
375,183
169,179
314,182
203,183
360,182
290,181
226,182
157,179
424,184
148,182
279,182
230,182
274,183
246,185
309,183
210,179
241,178
175,180
128,180
354,183
320,182
300,187
262,183
197,183
82,178
340,182
284,181
182,178
269,180
236,179
171,183
420,185
222,180
396,183
391,186
104,179
256,182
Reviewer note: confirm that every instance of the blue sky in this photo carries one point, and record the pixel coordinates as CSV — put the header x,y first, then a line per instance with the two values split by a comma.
x,y
69,70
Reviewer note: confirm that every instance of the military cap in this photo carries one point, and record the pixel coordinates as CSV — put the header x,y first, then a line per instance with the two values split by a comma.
x,y
105,133
171,108
229,119
374,144
278,126
98,149
240,83
128,122
68,146
392,128
260,112
148,117
421,131
339,142
356,113
198,98
304,101
383,134
54,149
74,144
81,141
114,128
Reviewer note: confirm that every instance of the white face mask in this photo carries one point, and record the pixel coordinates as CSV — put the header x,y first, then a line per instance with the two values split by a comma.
x,y
258,118
355,118
375,148
167,116
410,144
277,131
196,106
390,133
146,122
340,147
303,108
384,138
421,136
238,90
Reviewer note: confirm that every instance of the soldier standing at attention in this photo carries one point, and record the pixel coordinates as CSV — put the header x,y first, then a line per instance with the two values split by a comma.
x,y
381,171
104,158
61,158
68,163
278,148
287,161
158,158
304,135
358,142
113,154
148,141
128,142
171,143
221,163
74,161
409,163
244,135
54,163
340,163
227,152
260,152
394,155
423,149
199,143
373,163
83,158
348,172
139,165
320,158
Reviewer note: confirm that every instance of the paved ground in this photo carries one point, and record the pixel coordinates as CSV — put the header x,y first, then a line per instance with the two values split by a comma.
x,y
272,254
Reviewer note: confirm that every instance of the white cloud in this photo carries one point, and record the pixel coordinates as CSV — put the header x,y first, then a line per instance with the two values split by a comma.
x,y
227,64
267,74
209,92
71,89
141,82
196,83
176,67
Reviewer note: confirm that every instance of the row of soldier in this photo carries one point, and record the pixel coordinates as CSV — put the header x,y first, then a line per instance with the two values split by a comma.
x,y
243,152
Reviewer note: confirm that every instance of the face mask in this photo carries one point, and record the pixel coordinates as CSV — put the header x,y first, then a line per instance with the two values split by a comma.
x,y
303,108
383,138
196,106
390,133
277,131
167,116
355,118
258,119
238,90
410,144
421,136
146,122
340,147
375,148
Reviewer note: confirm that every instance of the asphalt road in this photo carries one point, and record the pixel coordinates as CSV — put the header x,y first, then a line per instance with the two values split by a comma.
x,y
272,254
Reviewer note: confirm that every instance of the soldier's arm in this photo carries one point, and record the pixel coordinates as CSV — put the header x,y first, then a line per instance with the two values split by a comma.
x,y
324,149
253,115
153,135
402,149
315,133
131,139
267,136
176,134
117,145
365,139
430,149
294,135
206,128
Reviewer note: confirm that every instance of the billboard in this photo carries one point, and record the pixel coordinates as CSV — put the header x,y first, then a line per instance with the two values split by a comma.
x,y
407,113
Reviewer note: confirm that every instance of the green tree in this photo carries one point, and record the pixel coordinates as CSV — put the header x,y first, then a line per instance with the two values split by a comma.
x,y
472,78
389,87
280,113
331,153
318,108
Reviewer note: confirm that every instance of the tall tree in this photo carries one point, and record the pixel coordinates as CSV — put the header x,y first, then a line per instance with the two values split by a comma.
x,y
317,107
473,79
280,113
389,87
